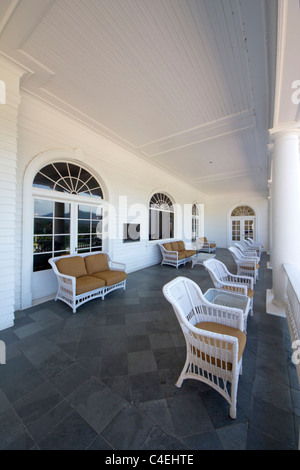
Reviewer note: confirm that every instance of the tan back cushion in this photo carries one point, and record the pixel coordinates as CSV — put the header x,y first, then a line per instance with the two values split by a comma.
x,y
181,246
73,266
96,263
174,246
167,246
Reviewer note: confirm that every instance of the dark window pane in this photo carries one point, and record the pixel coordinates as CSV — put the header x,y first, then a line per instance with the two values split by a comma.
x,y
40,181
97,248
96,241
96,226
84,175
61,226
96,212
62,169
84,226
42,244
74,170
42,226
43,208
61,242
97,193
62,186
84,212
172,225
83,241
40,262
62,209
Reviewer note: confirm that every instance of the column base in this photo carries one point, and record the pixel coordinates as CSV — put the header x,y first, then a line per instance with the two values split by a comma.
x,y
271,307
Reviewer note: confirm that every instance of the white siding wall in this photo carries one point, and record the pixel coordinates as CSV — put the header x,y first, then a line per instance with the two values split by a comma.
x,y
10,75
42,129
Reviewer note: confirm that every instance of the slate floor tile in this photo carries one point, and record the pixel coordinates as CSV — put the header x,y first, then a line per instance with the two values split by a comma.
x,y
96,403
37,402
11,426
189,415
71,433
128,430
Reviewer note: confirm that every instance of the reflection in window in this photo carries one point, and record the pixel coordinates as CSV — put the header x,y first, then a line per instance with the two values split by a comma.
x,y
89,228
51,232
161,217
195,222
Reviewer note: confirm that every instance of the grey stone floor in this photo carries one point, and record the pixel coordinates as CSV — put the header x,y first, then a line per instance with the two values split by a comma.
x,y
104,378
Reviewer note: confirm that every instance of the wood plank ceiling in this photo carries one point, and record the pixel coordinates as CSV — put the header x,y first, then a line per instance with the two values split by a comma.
x,y
182,83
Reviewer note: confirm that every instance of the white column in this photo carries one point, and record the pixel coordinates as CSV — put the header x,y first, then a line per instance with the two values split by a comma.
x,y
10,79
285,209
269,264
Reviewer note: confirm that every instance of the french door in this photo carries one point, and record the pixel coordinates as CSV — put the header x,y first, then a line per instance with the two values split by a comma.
x,y
242,227
61,228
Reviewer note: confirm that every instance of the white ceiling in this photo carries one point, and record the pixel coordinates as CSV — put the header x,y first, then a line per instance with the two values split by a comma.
x,y
184,84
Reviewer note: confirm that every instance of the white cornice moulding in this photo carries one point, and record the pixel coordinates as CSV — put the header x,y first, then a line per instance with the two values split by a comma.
x,y
229,175
281,42
227,126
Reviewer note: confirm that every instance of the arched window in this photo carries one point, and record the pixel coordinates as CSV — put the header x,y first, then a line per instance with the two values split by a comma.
x,y
65,222
68,178
161,217
243,211
195,222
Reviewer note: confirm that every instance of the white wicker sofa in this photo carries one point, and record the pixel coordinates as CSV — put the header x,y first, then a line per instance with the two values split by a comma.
x,y
175,253
86,276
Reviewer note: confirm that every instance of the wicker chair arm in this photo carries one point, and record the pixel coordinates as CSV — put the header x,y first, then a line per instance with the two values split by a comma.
x,y
235,288
239,279
117,266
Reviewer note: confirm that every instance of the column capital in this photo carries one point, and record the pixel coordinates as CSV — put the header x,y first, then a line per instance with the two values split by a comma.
x,y
284,130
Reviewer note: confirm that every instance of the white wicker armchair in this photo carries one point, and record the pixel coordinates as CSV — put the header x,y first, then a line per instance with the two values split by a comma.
x,y
245,266
253,245
248,252
208,246
223,279
214,337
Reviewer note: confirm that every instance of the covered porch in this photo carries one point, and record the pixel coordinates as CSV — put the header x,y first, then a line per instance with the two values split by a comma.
x,y
108,373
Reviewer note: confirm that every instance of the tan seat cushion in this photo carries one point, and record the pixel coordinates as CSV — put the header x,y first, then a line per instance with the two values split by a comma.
x,y
111,277
250,292
223,330
189,253
251,268
73,266
88,283
96,263
181,255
